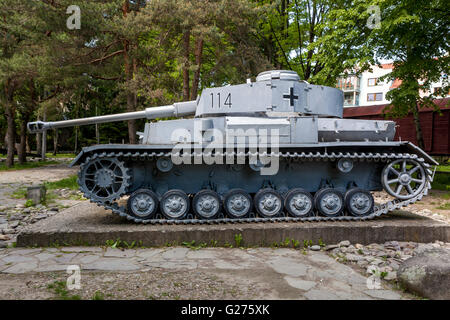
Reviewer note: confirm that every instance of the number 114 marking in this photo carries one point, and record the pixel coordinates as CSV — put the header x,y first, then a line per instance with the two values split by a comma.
x,y
226,103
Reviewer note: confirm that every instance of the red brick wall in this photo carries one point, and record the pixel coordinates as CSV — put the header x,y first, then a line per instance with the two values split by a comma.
x,y
435,127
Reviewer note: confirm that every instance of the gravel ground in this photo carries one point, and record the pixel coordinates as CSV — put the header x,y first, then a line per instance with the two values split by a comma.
x,y
431,206
14,215
382,260
157,284
183,273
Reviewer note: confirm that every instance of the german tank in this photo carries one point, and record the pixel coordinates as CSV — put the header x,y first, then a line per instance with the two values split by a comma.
x,y
272,150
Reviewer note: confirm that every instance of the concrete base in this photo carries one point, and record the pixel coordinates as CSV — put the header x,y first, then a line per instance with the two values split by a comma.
x,y
88,224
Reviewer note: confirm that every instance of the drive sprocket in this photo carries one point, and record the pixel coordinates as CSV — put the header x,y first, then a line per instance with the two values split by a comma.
x,y
103,179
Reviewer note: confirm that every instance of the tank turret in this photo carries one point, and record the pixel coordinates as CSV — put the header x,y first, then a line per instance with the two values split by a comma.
x,y
276,149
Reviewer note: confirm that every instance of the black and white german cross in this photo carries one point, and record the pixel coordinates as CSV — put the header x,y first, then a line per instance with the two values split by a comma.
x,y
290,96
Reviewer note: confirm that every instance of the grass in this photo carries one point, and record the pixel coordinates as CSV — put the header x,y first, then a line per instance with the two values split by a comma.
x,y
98,295
50,197
116,244
441,182
20,193
445,206
238,239
66,183
192,245
445,168
60,155
48,155
59,288
27,165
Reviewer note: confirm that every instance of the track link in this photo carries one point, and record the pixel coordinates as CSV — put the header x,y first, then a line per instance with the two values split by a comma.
x,y
379,209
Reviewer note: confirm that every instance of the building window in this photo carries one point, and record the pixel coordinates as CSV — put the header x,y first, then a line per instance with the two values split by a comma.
x,y
348,99
348,84
375,96
371,82
436,90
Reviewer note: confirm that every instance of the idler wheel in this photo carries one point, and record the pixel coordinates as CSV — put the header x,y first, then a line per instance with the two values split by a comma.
x,y
359,202
268,203
299,203
174,204
237,203
143,203
403,178
329,202
206,204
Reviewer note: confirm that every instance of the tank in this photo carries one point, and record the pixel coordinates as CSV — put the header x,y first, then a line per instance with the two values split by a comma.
x,y
276,149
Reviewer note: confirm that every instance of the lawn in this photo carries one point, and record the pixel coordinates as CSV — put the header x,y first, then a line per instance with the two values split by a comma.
x,y
443,168
27,165
441,182
66,183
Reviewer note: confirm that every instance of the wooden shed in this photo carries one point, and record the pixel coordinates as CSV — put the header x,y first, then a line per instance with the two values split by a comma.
x,y
435,126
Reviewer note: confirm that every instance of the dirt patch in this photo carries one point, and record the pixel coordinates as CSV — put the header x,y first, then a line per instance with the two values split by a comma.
x,y
435,205
152,284
38,175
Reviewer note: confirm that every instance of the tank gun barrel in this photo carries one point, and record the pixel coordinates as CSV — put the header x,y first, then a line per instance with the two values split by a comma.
x,y
178,109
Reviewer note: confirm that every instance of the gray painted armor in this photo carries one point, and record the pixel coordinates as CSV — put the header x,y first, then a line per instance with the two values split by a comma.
x,y
327,166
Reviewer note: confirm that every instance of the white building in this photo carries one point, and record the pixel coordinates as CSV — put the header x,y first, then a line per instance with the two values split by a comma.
x,y
367,89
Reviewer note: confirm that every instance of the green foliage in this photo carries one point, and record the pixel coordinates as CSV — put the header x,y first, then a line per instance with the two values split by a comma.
x,y
238,240
60,155
445,168
441,182
213,243
192,245
121,62
29,203
66,183
115,244
413,34
286,243
321,243
307,243
445,206
98,295
59,288
293,36
27,165
20,193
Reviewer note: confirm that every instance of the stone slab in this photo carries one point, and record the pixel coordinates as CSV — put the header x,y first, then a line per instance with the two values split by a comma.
x,y
87,224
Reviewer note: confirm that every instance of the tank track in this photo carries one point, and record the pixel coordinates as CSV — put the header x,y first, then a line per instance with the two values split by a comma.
x,y
379,209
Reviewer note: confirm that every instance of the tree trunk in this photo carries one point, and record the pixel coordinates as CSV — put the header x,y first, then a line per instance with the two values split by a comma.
x,y
44,137
76,140
27,144
186,47
11,134
419,135
38,142
11,130
129,76
22,152
55,141
198,61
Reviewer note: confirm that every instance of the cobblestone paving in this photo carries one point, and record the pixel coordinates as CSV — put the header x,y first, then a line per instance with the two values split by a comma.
x,y
250,273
